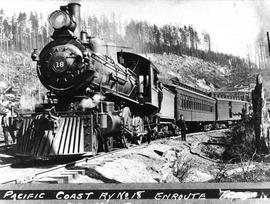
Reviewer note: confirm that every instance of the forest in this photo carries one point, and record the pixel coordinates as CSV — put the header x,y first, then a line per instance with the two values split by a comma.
x,y
24,32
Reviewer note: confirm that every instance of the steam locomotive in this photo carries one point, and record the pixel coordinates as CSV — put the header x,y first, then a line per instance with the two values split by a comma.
x,y
99,98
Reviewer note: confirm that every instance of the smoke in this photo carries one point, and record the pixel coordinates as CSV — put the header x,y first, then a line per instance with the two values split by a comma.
x,y
92,102
28,102
31,95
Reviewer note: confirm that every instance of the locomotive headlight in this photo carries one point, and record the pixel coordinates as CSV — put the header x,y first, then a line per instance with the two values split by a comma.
x,y
59,19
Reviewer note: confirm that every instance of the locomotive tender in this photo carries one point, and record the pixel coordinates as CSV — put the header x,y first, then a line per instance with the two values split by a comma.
x,y
99,97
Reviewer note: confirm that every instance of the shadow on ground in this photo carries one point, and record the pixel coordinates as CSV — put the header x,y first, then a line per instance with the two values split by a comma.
x,y
92,173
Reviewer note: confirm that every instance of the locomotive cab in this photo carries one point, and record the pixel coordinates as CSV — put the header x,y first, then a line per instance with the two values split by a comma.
x,y
148,78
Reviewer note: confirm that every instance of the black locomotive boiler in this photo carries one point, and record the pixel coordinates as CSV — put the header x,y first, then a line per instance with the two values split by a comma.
x,y
97,97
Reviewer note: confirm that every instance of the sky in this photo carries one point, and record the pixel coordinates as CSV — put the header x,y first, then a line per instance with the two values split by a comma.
x,y
234,25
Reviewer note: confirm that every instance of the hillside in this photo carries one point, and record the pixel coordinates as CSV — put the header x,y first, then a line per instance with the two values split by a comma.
x,y
18,79
191,70
16,68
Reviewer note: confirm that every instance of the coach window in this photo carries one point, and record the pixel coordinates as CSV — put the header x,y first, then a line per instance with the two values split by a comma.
x,y
180,101
184,102
203,106
186,105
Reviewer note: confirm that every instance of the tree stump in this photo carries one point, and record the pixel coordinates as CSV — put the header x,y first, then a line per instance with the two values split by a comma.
x,y
260,117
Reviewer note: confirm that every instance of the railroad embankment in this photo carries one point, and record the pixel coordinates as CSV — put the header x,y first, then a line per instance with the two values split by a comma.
x,y
202,158
199,159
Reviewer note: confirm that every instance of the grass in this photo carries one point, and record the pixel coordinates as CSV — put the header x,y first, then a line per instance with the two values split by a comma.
x,y
182,168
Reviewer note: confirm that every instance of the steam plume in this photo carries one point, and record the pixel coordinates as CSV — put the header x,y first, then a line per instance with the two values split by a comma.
x,y
92,102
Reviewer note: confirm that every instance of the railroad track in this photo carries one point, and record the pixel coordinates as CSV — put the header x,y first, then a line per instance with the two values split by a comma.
x,y
32,171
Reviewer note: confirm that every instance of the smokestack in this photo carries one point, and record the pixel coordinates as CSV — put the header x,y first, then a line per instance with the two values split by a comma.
x,y
75,10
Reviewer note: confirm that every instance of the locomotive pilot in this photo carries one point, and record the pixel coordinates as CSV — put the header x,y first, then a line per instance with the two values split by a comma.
x,y
181,123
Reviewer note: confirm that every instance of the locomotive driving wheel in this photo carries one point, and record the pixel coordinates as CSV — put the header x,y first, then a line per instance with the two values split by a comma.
x,y
126,127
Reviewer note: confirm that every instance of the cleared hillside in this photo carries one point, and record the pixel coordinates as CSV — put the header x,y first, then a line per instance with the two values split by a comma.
x,y
191,70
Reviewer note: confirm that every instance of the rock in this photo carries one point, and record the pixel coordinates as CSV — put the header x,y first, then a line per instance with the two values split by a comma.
x,y
176,160
125,171
170,155
246,168
169,178
195,175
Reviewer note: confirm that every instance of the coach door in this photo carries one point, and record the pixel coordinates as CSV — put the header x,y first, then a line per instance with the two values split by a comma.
x,y
230,109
